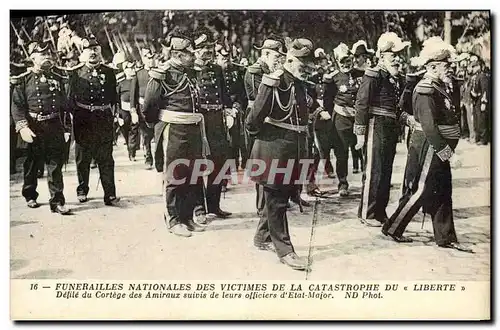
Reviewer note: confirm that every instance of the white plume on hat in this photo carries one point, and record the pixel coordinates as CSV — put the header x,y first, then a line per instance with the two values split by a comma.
x,y
390,42
118,58
361,43
341,51
435,49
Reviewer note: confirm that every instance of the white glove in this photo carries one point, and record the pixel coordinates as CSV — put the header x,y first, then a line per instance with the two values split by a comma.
x,y
360,142
67,136
411,121
455,161
325,115
27,134
135,117
483,107
120,121
229,121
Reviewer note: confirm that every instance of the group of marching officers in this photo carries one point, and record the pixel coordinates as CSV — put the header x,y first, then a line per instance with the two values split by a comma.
x,y
291,104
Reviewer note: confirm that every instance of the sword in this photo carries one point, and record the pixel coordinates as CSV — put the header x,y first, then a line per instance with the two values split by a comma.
x,y
311,237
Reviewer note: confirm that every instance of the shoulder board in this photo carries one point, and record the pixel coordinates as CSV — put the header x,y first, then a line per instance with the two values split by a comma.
x,y
254,68
107,66
272,79
372,72
424,87
120,75
157,73
58,73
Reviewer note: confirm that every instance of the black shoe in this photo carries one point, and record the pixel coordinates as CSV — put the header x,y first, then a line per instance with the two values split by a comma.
x,y
294,261
193,226
32,204
112,201
149,165
371,222
456,246
267,246
301,201
399,239
222,214
93,165
131,158
343,192
82,198
61,209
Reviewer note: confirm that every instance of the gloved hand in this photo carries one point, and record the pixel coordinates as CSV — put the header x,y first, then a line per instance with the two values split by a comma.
x,y
67,135
27,134
120,121
229,121
455,161
483,107
411,121
324,115
135,117
360,142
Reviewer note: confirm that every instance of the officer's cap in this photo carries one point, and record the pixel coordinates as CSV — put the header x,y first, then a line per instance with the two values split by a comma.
x,y
119,58
203,38
390,42
273,42
341,51
219,48
319,53
301,48
181,41
36,47
360,48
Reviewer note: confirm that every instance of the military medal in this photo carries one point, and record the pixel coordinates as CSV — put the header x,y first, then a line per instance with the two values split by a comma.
x,y
43,79
351,81
343,89
94,73
447,103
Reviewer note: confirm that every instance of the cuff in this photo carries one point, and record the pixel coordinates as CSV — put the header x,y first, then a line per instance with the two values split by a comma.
x,y
359,129
21,124
445,153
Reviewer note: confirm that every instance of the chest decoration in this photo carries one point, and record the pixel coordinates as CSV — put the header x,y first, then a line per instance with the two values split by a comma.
x,y
343,88
447,104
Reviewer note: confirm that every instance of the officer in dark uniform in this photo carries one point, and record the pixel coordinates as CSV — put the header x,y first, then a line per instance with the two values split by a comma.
x,y
215,103
280,128
128,109
15,70
480,101
376,122
272,55
141,81
233,81
320,124
38,107
340,96
171,106
93,96
435,138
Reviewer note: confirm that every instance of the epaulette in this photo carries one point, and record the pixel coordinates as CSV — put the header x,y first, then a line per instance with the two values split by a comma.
x,y
107,66
254,68
328,77
14,80
272,79
157,73
372,72
56,71
424,86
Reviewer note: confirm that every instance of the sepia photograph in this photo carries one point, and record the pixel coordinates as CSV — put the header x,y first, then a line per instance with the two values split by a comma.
x,y
250,159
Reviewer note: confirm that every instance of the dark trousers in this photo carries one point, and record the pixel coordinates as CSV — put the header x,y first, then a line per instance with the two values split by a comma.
x,y
94,139
379,150
481,124
130,132
273,224
237,142
323,131
357,157
47,148
214,189
148,135
345,140
180,142
430,188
